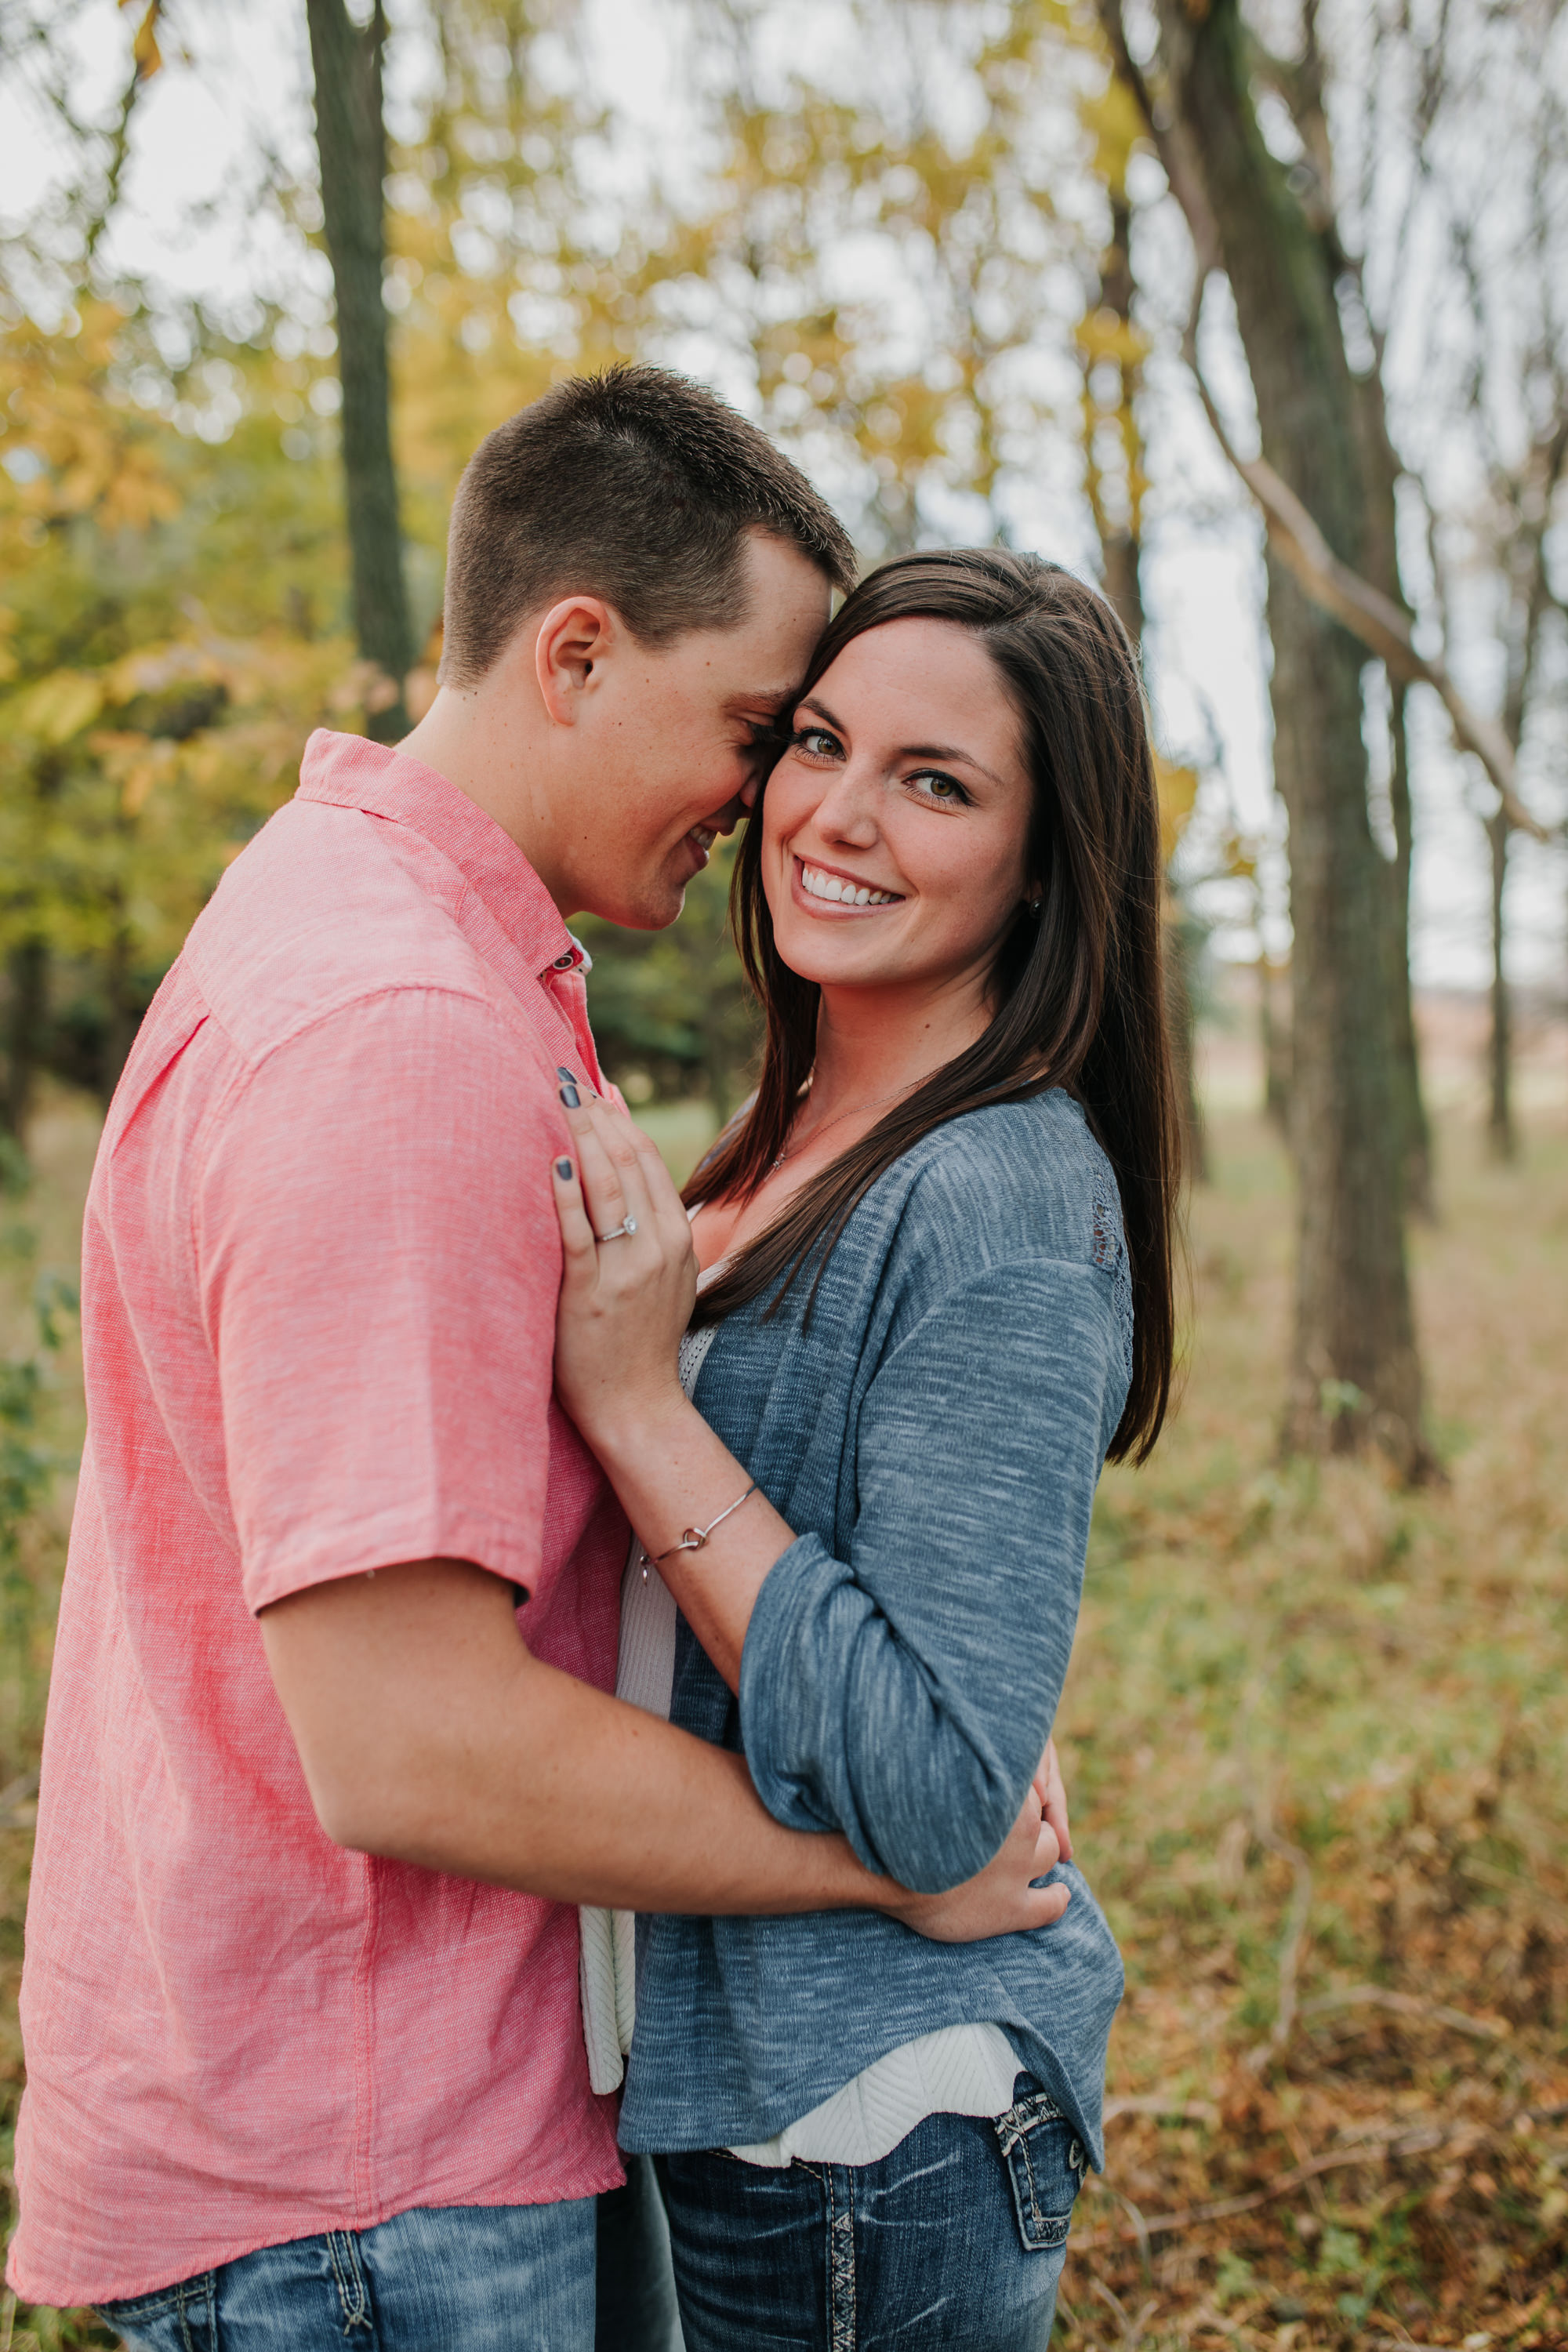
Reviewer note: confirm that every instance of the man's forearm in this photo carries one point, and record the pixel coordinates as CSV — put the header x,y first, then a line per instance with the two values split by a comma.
x,y
429,1734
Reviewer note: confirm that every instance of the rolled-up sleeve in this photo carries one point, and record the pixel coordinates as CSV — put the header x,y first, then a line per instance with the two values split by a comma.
x,y
379,1261
903,1694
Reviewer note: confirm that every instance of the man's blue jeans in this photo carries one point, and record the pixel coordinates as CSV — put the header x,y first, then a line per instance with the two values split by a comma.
x,y
458,2278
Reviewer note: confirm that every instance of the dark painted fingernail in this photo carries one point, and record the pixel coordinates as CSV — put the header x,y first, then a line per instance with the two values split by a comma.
x,y
570,1097
563,1169
569,1076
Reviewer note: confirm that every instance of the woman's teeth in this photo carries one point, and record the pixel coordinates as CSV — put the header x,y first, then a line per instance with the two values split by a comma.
x,y
818,884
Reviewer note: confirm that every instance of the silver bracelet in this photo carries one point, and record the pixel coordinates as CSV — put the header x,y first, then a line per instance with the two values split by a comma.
x,y
695,1538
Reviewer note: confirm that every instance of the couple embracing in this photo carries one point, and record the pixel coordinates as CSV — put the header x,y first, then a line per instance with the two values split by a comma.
x,y
365,1920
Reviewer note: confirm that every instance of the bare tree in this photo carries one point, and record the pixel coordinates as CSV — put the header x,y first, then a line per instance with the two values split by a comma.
x,y
1301,83
1111,350
1355,1374
351,140
1112,347
1525,497
1508,528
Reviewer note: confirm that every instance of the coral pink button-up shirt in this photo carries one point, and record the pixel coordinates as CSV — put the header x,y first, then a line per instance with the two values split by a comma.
x,y
319,1282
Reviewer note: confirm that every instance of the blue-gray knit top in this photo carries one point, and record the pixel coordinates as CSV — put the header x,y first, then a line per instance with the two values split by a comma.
x,y
934,1433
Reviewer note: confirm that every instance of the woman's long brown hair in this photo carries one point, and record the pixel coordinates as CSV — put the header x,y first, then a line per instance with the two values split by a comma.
x,y
1078,990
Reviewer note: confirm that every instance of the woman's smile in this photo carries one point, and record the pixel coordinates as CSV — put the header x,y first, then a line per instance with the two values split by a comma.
x,y
823,887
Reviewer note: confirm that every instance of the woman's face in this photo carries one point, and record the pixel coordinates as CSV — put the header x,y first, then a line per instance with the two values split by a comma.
x,y
895,826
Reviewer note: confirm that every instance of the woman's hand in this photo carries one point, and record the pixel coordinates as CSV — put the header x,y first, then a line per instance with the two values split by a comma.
x,y
1051,1790
1002,1898
624,1302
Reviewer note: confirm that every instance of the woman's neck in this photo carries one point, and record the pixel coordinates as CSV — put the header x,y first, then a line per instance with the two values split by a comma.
x,y
869,1050
870,1047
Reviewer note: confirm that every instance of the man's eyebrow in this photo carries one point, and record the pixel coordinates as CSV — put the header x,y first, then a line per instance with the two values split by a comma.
x,y
913,750
770,699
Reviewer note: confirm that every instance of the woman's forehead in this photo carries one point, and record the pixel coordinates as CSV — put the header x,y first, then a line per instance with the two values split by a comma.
x,y
932,683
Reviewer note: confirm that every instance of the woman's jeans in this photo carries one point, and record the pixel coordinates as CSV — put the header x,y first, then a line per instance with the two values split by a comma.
x,y
955,2242
456,2278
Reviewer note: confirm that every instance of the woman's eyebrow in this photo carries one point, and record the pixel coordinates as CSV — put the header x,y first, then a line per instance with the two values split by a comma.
x,y
910,751
948,751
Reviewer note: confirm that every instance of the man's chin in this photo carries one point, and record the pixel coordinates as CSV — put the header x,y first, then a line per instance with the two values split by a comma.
x,y
648,901
654,912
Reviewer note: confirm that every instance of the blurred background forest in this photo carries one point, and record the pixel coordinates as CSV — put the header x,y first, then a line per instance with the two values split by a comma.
x,y
1259,315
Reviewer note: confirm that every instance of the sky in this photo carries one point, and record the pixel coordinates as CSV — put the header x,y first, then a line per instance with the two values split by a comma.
x,y
1206,651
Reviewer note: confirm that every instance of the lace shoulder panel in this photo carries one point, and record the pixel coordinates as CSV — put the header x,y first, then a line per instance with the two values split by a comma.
x,y
1111,1252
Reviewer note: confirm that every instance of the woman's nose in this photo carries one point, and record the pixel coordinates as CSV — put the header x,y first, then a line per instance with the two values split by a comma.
x,y
848,810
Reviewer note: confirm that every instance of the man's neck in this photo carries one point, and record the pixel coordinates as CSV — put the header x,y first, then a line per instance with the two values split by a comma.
x,y
464,738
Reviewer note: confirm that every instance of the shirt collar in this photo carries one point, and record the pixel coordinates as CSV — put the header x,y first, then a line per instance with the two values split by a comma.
x,y
348,772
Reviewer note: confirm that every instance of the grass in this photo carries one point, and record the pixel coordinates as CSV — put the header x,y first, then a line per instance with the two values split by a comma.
x,y
1316,1740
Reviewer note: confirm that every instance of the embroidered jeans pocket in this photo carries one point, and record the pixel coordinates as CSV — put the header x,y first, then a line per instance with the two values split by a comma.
x,y
1046,2165
181,2319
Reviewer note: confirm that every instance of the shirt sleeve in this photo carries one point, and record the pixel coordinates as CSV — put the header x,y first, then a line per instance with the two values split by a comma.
x,y
904,1695
379,1261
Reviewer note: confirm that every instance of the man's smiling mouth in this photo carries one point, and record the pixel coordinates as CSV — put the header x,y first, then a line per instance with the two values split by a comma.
x,y
842,889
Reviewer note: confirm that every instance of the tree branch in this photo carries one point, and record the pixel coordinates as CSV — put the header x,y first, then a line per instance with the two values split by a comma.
x,y
1359,607
1332,586
1170,141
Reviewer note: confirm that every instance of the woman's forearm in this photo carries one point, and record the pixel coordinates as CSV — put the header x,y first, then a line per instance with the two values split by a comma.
x,y
671,1473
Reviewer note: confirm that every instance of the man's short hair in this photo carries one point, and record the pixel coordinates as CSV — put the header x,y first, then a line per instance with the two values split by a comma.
x,y
637,486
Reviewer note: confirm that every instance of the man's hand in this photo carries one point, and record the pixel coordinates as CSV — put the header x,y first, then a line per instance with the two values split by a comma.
x,y
1001,1899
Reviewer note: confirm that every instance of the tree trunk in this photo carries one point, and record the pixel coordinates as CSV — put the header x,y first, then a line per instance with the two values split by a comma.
x,y
351,141
124,1018
1502,1137
1354,1371
1176,935
1120,544
1275,1038
25,1013
1379,566
1122,556
1410,1108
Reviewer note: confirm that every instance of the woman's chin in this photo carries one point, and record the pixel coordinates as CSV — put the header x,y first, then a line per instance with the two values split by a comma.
x,y
842,963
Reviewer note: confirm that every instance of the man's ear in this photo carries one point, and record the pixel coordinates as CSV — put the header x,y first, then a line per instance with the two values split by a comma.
x,y
574,638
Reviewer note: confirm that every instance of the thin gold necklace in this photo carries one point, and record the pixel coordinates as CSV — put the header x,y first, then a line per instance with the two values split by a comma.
x,y
788,1154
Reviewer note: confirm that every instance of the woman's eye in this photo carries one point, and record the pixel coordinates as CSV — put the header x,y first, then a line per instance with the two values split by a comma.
x,y
816,742
934,785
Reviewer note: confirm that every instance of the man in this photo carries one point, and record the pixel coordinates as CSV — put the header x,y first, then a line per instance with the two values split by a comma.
x,y
328,1750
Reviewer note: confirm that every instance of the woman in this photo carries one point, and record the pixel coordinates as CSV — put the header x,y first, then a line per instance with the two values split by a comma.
x,y
937,1252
